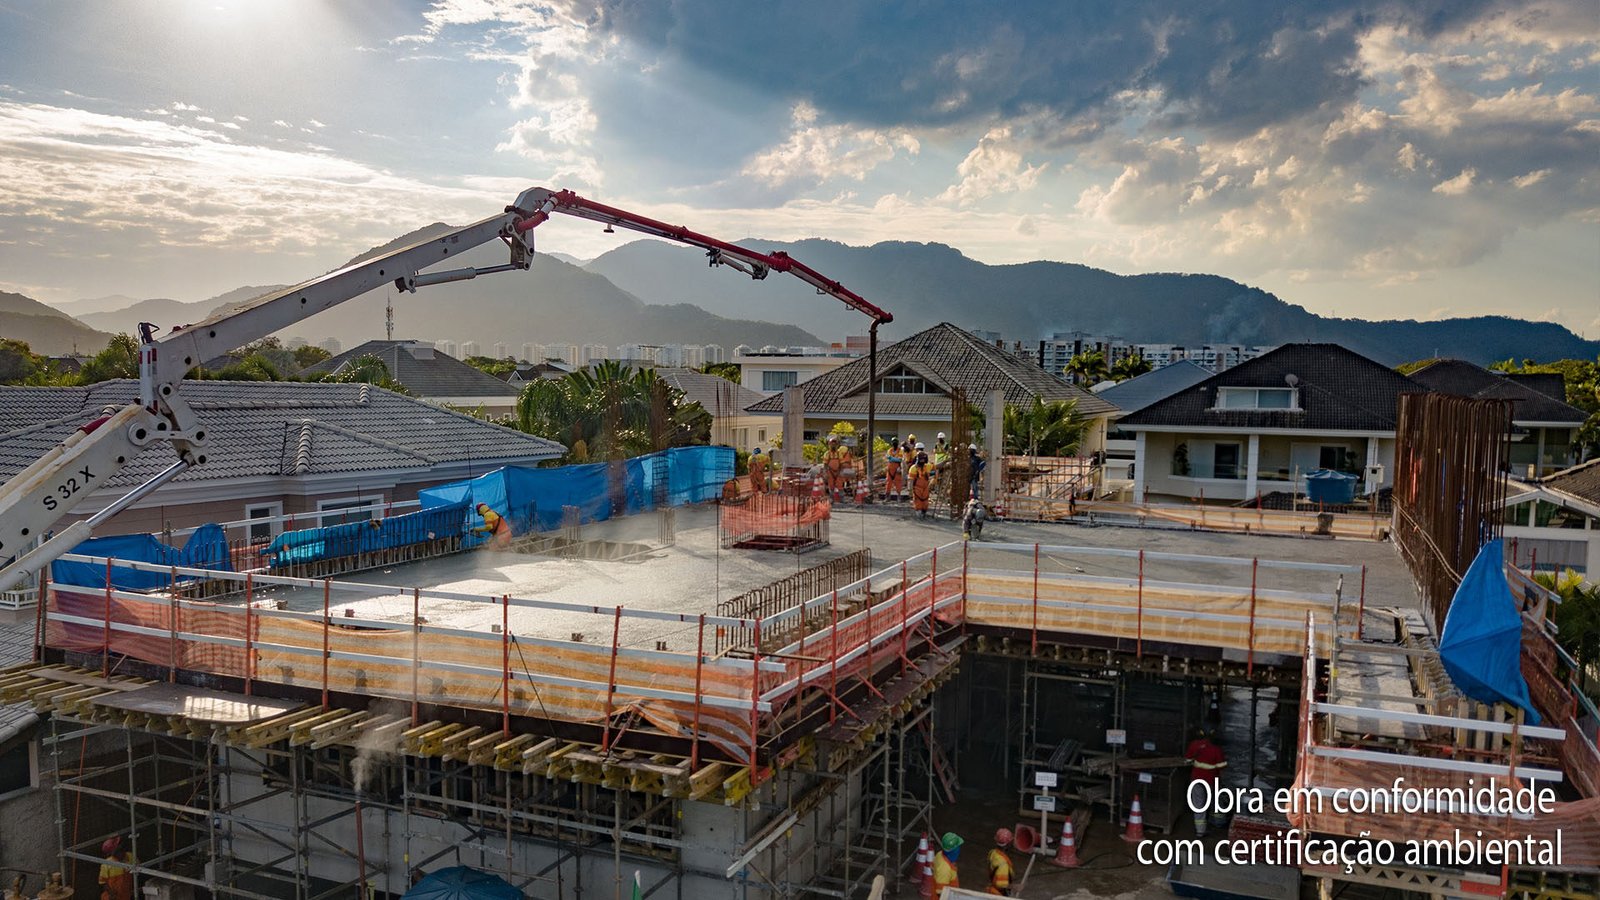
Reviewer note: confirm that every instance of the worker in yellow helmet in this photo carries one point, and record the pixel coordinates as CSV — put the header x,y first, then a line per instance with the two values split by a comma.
x,y
495,526
835,460
944,864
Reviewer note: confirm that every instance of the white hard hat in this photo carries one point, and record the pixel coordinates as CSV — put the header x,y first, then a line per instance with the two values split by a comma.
x,y
921,446
941,435
972,446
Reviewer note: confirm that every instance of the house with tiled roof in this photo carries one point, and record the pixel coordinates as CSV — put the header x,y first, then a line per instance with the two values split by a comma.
x,y
1554,521
1262,425
918,376
1544,426
732,424
274,449
431,375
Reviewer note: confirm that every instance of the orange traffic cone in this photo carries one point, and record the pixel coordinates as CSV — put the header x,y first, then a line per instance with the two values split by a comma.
x,y
1067,850
816,488
861,491
1135,830
924,868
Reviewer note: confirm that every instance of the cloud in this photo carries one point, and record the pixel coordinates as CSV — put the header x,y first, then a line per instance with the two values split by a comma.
x,y
1458,185
815,153
1530,179
995,166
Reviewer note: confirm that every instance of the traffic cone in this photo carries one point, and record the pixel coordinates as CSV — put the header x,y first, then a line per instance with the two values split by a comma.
x,y
861,491
1135,830
1067,850
816,488
924,868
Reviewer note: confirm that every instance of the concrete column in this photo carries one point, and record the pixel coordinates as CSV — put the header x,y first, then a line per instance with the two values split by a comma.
x,y
994,430
1538,457
1140,467
794,427
1252,463
1372,459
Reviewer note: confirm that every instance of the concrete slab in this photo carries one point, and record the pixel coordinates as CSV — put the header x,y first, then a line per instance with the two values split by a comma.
x,y
691,576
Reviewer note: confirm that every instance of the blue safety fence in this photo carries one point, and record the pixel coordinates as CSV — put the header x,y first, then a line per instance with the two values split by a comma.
x,y
534,499
207,548
335,541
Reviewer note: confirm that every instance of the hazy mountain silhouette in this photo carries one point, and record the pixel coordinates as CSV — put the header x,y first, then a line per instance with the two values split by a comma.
x,y
923,284
45,329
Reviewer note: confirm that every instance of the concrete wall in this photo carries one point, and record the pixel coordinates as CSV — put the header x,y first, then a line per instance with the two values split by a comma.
x,y
27,822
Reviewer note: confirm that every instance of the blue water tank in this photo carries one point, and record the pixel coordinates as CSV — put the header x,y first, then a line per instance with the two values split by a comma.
x,y
1327,486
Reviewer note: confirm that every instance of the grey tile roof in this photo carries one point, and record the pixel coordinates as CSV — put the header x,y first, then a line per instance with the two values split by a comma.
x,y
1550,384
423,370
1157,384
272,429
949,357
1340,390
1528,402
1581,481
718,395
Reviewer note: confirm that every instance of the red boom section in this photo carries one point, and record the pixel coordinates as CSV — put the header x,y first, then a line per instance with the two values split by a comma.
x,y
752,262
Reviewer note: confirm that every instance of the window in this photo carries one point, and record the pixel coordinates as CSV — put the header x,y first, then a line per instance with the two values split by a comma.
x,y
1225,464
810,436
778,380
904,384
261,532
761,435
341,503
1257,398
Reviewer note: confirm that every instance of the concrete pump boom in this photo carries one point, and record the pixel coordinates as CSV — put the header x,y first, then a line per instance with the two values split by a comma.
x,y
33,501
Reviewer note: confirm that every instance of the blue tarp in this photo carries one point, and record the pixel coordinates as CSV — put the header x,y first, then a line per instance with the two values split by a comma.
x,y
1481,646
207,548
333,541
462,883
532,499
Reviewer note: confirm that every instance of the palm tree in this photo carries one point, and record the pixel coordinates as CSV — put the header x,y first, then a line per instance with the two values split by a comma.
x,y
611,411
1130,367
1088,367
1045,428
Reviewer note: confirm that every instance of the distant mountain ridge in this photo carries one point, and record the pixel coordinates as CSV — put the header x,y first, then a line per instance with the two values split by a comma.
x,y
46,330
923,284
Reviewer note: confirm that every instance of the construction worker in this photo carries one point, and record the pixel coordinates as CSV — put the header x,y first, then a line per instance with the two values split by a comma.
x,y
758,472
116,873
975,464
495,526
1206,761
944,864
1000,868
893,479
941,449
972,519
921,476
834,461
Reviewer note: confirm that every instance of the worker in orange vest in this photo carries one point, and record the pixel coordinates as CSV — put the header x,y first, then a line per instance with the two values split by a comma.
x,y
894,483
494,525
921,475
945,874
1000,867
116,873
834,461
758,472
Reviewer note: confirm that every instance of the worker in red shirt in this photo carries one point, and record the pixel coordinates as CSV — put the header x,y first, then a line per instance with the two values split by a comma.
x,y
1206,762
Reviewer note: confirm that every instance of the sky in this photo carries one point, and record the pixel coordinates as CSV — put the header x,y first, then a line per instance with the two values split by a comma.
x,y
1371,158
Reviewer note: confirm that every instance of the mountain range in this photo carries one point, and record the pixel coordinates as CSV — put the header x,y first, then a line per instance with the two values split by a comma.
x,y
924,284
650,291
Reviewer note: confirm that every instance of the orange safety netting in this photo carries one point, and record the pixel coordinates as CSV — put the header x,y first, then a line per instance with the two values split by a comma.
x,y
547,679
1267,622
773,514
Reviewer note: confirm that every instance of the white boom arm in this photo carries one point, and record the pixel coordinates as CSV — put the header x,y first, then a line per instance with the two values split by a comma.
x,y
39,496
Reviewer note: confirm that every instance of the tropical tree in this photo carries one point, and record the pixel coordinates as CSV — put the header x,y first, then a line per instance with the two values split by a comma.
x,y
1088,367
1130,367
611,411
20,365
488,365
1577,619
366,369
120,359
728,370
1045,428
308,356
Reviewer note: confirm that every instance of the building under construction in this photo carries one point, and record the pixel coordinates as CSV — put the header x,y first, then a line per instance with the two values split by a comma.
x,y
645,696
